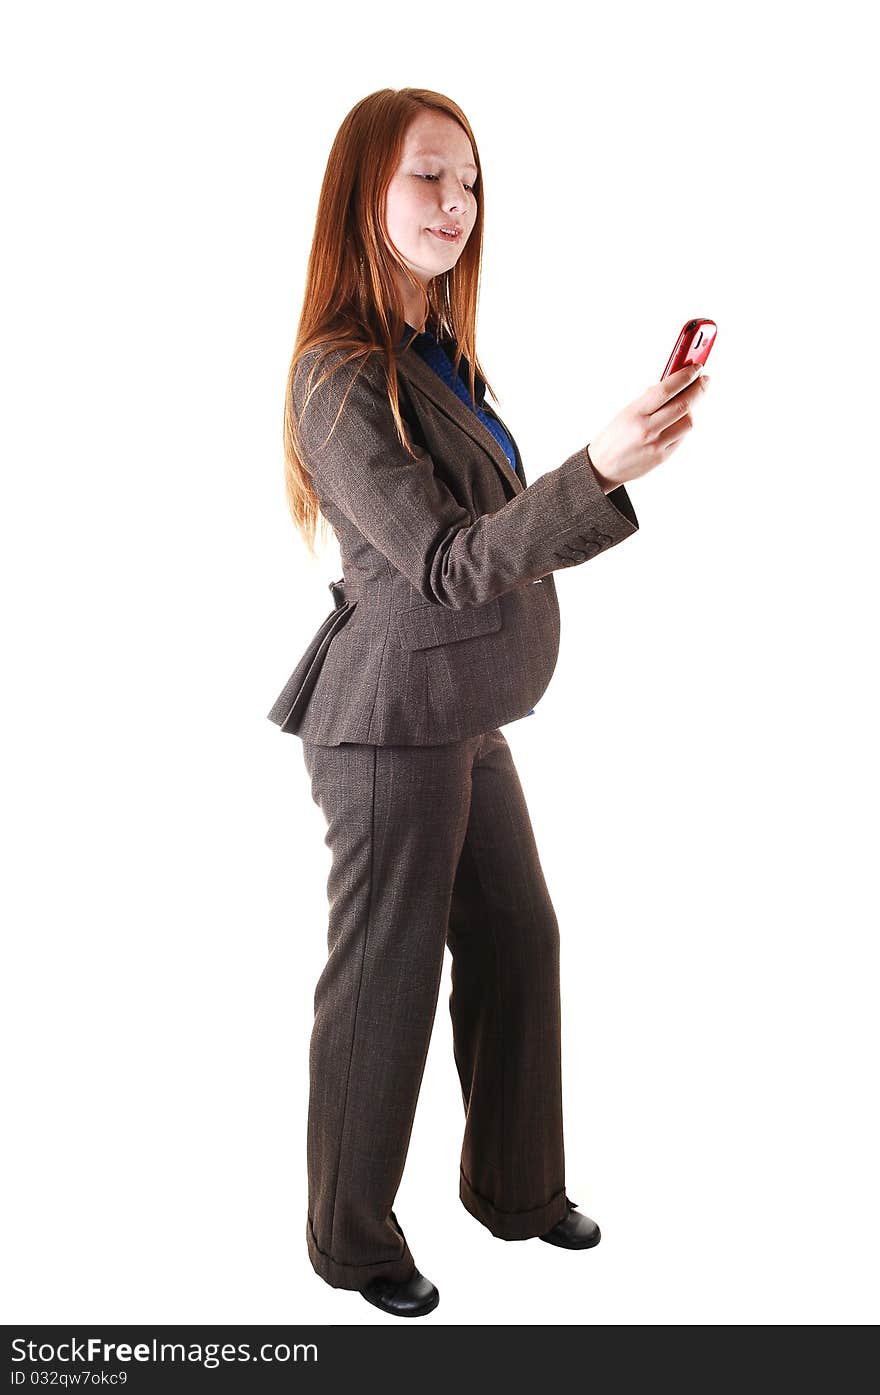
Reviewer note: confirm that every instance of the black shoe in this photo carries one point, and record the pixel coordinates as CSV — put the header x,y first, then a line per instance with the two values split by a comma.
x,y
574,1232
411,1298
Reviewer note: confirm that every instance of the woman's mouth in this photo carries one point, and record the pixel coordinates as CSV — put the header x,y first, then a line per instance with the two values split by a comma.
x,y
446,236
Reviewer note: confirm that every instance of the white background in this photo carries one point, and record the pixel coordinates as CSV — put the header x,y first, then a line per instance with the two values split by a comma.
x,y
701,774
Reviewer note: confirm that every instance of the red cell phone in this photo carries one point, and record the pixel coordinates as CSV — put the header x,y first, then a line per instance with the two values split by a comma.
x,y
693,345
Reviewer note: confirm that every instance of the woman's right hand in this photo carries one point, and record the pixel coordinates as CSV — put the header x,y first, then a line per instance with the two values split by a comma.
x,y
648,430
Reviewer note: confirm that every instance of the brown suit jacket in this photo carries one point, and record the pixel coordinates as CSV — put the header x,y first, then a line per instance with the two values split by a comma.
x,y
446,621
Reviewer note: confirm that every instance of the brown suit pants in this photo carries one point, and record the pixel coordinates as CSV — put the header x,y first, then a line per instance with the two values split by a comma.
x,y
431,845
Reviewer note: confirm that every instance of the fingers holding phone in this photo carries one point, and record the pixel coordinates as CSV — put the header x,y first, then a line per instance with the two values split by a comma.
x,y
649,429
670,417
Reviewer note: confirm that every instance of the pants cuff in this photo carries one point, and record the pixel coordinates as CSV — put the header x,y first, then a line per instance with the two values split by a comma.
x,y
512,1225
357,1276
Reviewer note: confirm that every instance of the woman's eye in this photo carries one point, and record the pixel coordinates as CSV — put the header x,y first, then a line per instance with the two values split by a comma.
x,y
469,187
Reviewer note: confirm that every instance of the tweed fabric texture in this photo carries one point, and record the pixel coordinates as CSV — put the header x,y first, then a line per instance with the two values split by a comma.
x,y
453,624
440,356
431,846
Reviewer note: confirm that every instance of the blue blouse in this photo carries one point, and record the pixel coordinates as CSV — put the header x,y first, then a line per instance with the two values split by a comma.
x,y
429,348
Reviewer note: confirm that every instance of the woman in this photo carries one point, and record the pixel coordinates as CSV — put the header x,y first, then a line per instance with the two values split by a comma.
x,y
446,626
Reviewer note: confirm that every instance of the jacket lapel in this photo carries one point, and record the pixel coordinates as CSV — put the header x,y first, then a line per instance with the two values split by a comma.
x,y
417,372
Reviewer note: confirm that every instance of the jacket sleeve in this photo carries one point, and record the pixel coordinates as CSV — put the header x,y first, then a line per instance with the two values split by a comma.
x,y
403,510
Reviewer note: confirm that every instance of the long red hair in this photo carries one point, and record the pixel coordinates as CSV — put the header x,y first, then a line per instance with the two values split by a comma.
x,y
351,300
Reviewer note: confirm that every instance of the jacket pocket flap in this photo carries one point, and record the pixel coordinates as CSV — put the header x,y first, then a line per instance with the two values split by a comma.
x,y
423,626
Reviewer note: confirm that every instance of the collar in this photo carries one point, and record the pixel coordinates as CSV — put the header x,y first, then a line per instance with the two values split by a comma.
x,y
422,377
426,337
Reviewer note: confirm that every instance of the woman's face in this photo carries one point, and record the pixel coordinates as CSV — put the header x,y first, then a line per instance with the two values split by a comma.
x,y
432,187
